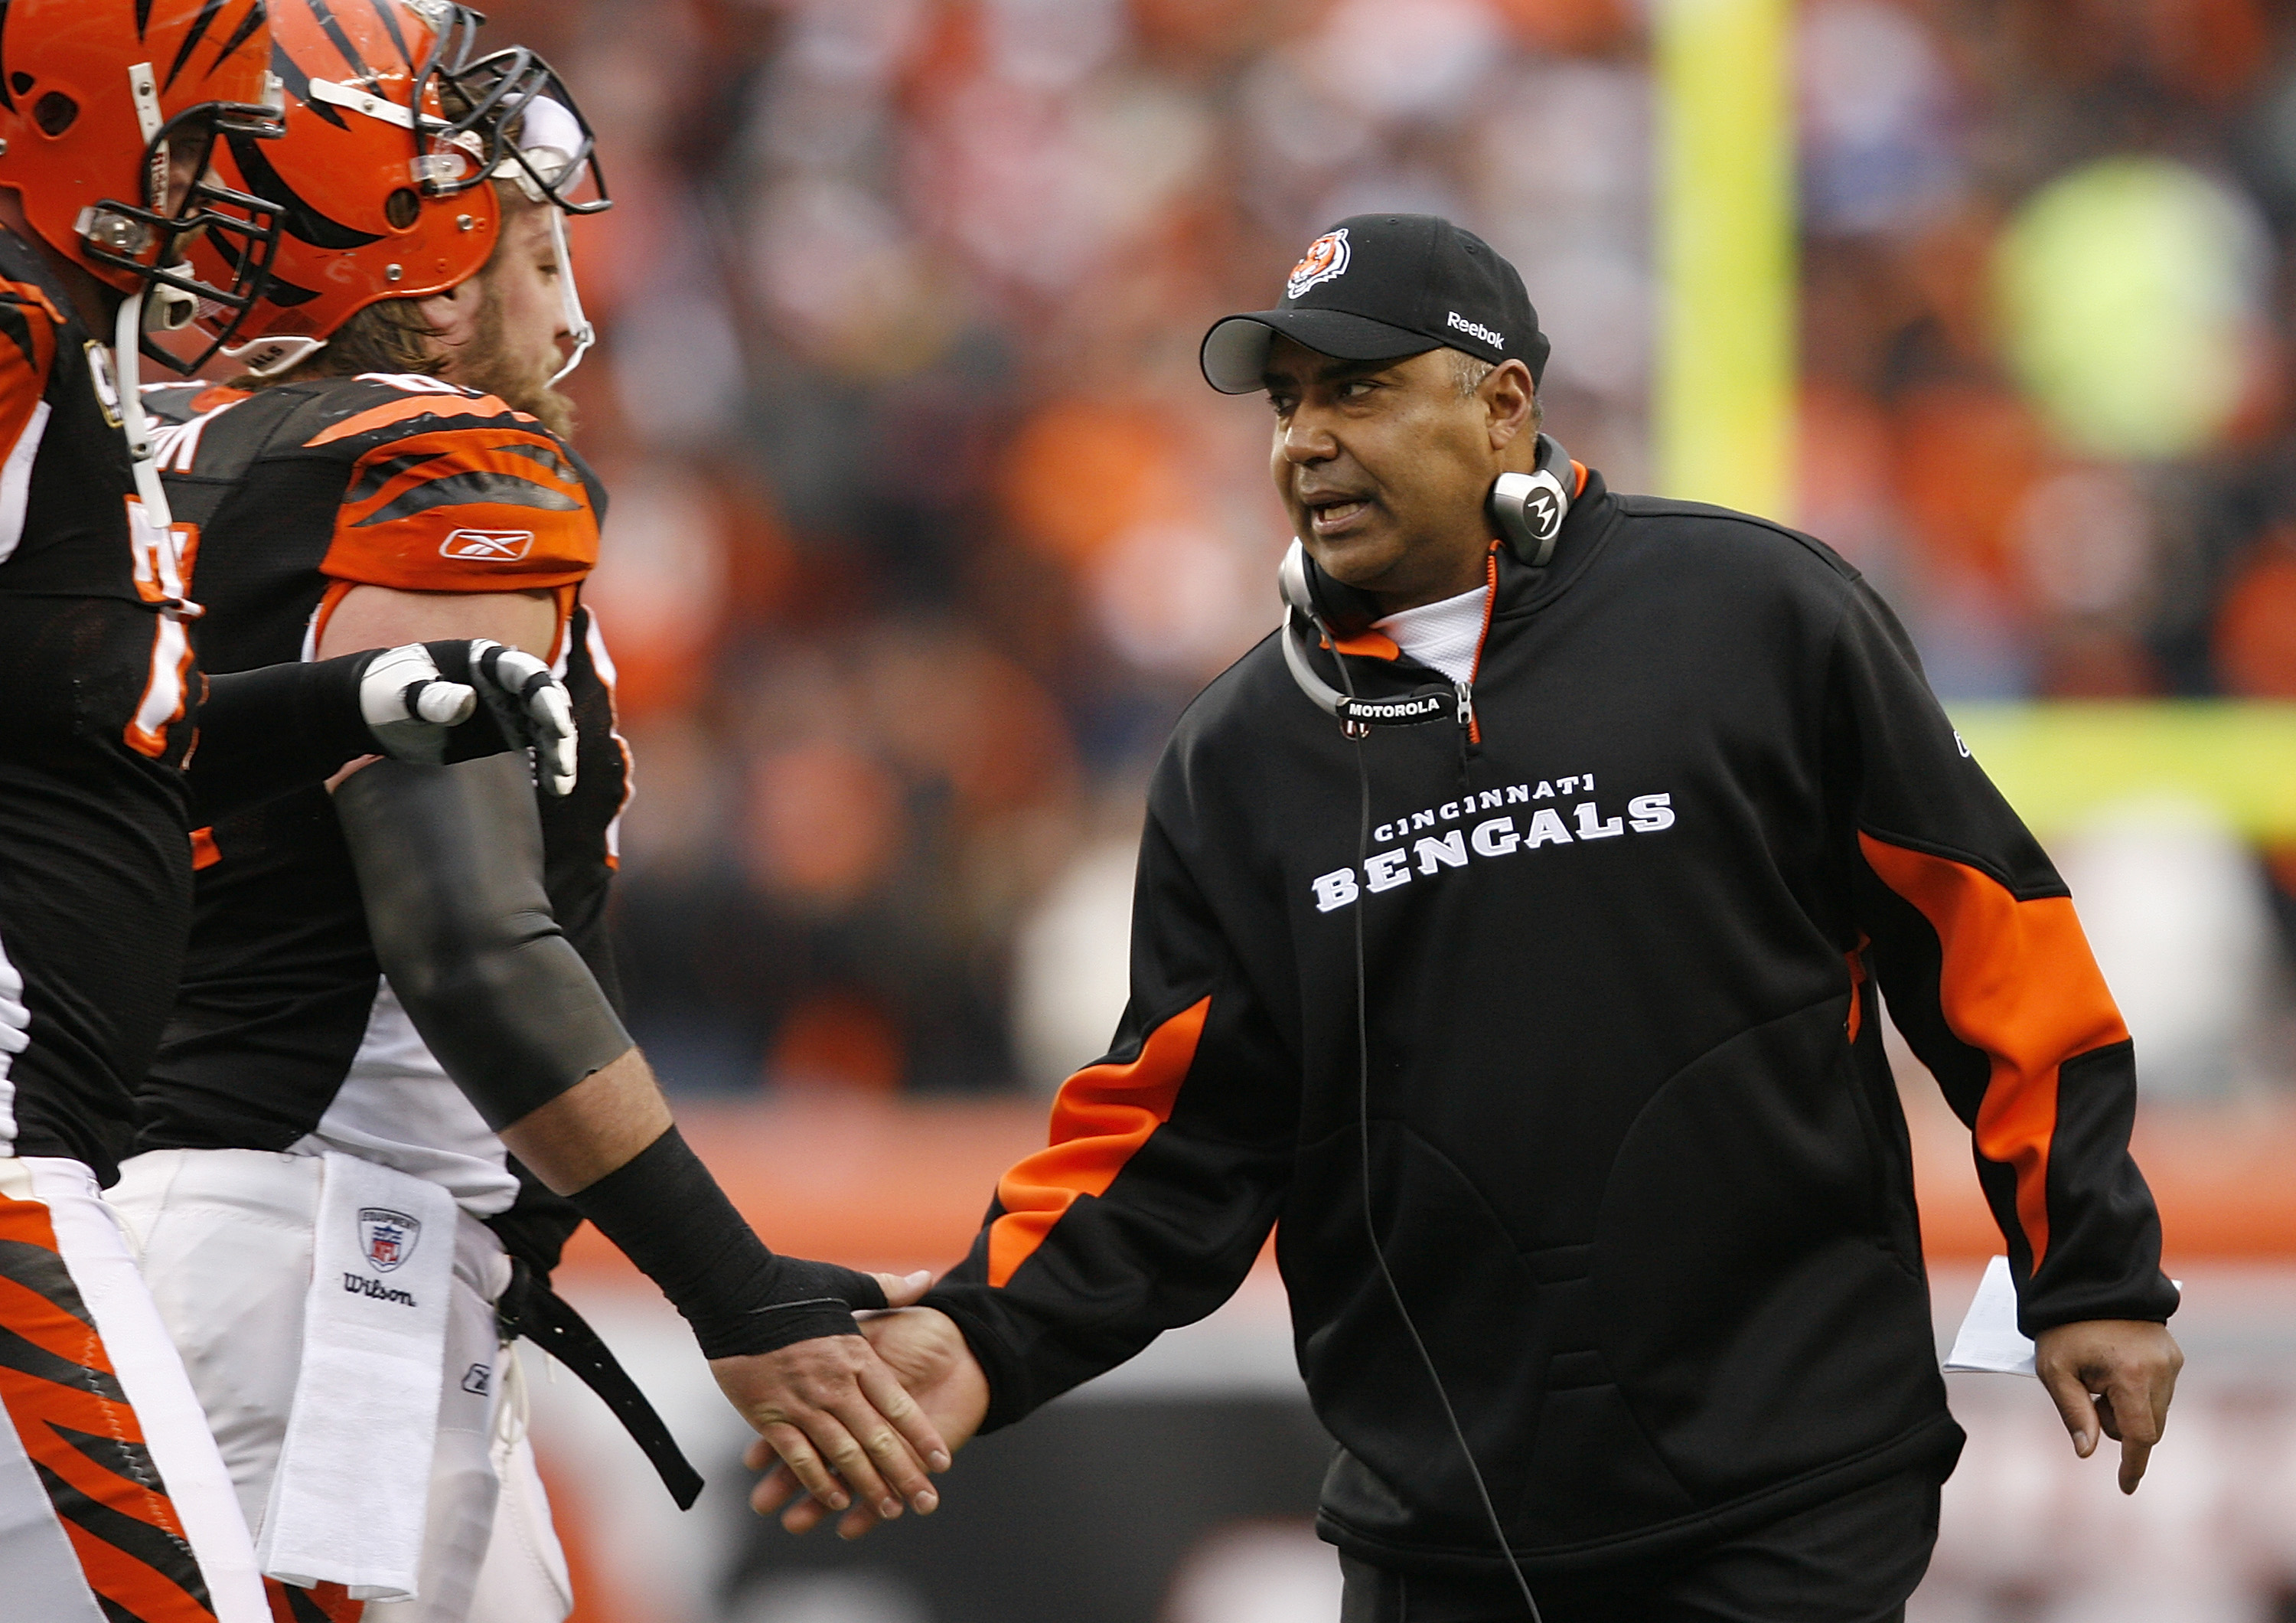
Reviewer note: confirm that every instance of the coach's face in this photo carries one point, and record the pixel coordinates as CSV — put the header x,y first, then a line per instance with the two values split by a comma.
x,y
1385,465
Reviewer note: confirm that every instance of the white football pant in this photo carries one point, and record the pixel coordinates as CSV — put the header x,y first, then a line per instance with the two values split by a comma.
x,y
224,1238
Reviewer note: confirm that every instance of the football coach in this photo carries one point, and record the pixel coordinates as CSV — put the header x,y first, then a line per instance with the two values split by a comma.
x,y
1506,938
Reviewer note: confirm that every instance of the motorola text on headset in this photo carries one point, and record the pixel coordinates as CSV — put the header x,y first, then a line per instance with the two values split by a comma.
x,y
1527,510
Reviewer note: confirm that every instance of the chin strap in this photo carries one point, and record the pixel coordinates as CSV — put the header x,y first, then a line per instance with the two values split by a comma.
x,y
157,554
127,359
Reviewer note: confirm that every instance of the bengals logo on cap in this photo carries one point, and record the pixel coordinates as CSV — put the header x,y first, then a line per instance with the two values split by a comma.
x,y
1326,257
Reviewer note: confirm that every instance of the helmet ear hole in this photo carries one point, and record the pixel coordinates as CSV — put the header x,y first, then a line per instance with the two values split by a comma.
x,y
21,83
55,112
402,208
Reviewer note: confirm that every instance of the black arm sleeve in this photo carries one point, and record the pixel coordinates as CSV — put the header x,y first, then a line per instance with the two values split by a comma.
x,y
266,731
450,862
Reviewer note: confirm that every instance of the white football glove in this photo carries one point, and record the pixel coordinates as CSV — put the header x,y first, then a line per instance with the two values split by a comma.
x,y
531,707
15,1020
411,708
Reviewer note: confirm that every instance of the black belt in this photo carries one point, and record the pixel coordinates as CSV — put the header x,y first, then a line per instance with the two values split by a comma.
x,y
530,1308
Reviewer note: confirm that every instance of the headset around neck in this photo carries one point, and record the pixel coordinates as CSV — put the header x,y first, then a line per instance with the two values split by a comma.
x,y
1528,509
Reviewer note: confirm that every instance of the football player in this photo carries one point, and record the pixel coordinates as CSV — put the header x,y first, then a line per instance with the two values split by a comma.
x,y
400,979
113,1503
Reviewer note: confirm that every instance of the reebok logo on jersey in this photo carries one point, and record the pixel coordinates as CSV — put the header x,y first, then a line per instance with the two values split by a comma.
x,y
487,546
1476,329
386,1238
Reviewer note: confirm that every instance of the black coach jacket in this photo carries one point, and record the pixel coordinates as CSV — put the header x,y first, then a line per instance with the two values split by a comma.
x,y
1637,1162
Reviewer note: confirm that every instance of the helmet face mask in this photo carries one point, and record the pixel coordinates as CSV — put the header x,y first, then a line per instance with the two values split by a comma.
x,y
239,231
524,125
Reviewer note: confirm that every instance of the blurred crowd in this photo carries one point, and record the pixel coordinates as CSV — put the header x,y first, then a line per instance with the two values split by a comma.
x,y
924,526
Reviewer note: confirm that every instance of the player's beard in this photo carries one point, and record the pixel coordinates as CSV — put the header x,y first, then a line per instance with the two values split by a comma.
x,y
522,382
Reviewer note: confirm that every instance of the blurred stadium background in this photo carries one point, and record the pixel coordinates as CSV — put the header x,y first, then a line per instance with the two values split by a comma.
x,y
925,528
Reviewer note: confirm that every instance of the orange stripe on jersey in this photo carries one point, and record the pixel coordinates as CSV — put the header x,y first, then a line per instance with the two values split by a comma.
x,y
27,352
31,293
417,405
2018,982
205,852
1102,1116
1856,958
465,510
1370,644
83,1439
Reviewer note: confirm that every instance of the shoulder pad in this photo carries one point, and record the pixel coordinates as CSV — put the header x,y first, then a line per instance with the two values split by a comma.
x,y
359,413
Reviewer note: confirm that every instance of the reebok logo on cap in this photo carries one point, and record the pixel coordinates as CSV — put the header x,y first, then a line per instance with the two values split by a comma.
x,y
1476,329
1326,257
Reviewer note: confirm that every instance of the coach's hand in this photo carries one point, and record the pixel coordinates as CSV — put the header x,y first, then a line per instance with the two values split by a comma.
x,y
2114,1374
830,1409
924,1347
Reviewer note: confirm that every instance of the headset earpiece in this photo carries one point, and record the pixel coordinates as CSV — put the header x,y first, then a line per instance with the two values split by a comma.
x,y
1338,609
1303,626
1528,508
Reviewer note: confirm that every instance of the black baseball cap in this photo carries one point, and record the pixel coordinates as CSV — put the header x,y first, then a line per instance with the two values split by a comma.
x,y
1380,287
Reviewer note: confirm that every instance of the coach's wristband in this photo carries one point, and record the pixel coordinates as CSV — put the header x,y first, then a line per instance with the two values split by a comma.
x,y
668,1216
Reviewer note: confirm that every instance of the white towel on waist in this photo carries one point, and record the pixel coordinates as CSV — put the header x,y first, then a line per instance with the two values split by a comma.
x,y
349,1500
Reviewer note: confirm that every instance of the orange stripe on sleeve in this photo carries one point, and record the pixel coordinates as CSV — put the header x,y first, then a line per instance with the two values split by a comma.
x,y
2019,982
26,355
465,510
1102,1116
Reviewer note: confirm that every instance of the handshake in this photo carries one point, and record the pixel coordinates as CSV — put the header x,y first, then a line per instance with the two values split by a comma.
x,y
853,1424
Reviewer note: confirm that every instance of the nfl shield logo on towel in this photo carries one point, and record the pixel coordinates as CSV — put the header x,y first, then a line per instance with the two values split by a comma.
x,y
387,1237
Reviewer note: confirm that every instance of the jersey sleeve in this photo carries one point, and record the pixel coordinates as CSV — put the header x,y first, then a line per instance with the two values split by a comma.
x,y
493,508
1167,1162
28,353
1990,978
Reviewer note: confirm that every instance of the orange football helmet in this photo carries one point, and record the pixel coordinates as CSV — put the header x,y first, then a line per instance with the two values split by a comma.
x,y
362,220
392,133
109,110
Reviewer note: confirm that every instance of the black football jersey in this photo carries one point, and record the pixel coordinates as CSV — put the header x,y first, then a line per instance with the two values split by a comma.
x,y
65,483
285,1028
95,685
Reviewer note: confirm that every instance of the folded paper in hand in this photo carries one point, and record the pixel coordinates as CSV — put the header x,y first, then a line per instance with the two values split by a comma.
x,y
1990,1340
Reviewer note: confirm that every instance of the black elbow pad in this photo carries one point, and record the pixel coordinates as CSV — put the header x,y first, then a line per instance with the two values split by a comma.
x,y
450,862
